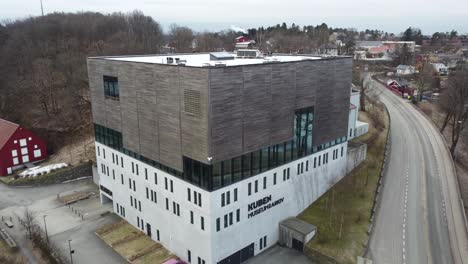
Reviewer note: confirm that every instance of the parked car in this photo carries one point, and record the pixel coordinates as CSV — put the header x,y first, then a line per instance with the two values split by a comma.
x,y
174,261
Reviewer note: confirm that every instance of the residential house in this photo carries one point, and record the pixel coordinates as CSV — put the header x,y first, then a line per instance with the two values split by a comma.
x,y
18,146
405,69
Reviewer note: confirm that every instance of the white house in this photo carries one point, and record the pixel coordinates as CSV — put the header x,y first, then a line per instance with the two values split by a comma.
x,y
405,69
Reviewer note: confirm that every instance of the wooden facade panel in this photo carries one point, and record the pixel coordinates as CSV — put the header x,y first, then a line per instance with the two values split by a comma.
x,y
106,112
306,84
283,87
256,103
226,113
168,107
194,127
269,96
241,109
128,104
96,93
332,107
147,112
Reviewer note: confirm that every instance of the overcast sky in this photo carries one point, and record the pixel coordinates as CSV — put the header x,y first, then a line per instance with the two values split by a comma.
x,y
392,16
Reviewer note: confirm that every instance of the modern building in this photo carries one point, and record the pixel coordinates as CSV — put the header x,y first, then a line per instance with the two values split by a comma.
x,y
18,146
208,153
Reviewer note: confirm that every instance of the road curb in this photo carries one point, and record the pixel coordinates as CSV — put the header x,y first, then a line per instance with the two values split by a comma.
x,y
380,184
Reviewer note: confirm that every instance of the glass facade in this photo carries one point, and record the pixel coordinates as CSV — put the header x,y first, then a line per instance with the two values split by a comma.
x,y
113,139
224,173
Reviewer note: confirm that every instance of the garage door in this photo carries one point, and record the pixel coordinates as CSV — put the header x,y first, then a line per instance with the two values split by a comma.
x,y
240,256
298,245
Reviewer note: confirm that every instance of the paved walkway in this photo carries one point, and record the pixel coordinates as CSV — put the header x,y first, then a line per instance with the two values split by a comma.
x,y
62,223
279,255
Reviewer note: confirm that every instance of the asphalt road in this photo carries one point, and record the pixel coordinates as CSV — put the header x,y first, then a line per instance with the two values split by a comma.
x,y
419,219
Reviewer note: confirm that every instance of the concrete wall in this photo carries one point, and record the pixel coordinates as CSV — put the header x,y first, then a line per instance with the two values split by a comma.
x,y
361,128
297,193
357,153
177,233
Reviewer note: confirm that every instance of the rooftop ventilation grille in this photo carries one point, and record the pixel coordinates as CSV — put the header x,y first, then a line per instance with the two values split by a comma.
x,y
245,53
192,102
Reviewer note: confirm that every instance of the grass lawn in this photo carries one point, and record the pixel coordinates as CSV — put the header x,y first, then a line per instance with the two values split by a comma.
x,y
342,214
119,233
134,247
140,248
7,179
7,255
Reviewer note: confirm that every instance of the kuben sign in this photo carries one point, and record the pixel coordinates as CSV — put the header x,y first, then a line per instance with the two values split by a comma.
x,y
262,205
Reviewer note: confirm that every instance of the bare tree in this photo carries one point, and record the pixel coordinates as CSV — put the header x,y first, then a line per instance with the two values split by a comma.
x,y
208,42
28,221
181,38
424,79
445,106
456,98
43,71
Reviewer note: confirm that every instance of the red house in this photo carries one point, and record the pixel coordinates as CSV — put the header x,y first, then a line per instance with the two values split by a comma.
x,y
18,146
241,39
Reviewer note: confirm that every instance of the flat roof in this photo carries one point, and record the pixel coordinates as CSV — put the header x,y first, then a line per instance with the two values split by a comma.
x,y
298,225
204,59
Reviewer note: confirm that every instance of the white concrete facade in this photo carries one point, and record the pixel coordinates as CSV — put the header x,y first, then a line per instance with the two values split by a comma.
x,y
287,196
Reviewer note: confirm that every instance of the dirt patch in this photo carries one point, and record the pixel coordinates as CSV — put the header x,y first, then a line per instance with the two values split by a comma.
x,y
76,150
132,244
8,255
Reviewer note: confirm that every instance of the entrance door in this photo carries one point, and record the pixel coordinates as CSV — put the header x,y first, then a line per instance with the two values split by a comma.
x,y
240,256
9,171
148,229
247,252
298,245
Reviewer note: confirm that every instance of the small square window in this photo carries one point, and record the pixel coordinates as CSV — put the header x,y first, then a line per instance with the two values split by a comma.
x,y
24,151
14,153
37,153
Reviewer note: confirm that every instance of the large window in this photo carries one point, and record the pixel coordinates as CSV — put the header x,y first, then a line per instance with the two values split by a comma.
x,y
111,86
303,122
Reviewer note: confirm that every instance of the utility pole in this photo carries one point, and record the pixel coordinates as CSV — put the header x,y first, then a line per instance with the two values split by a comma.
x,y
45,228
71,251
42,9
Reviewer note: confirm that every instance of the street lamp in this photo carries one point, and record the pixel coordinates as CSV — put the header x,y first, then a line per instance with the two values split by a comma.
x,y
45,228
71,251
